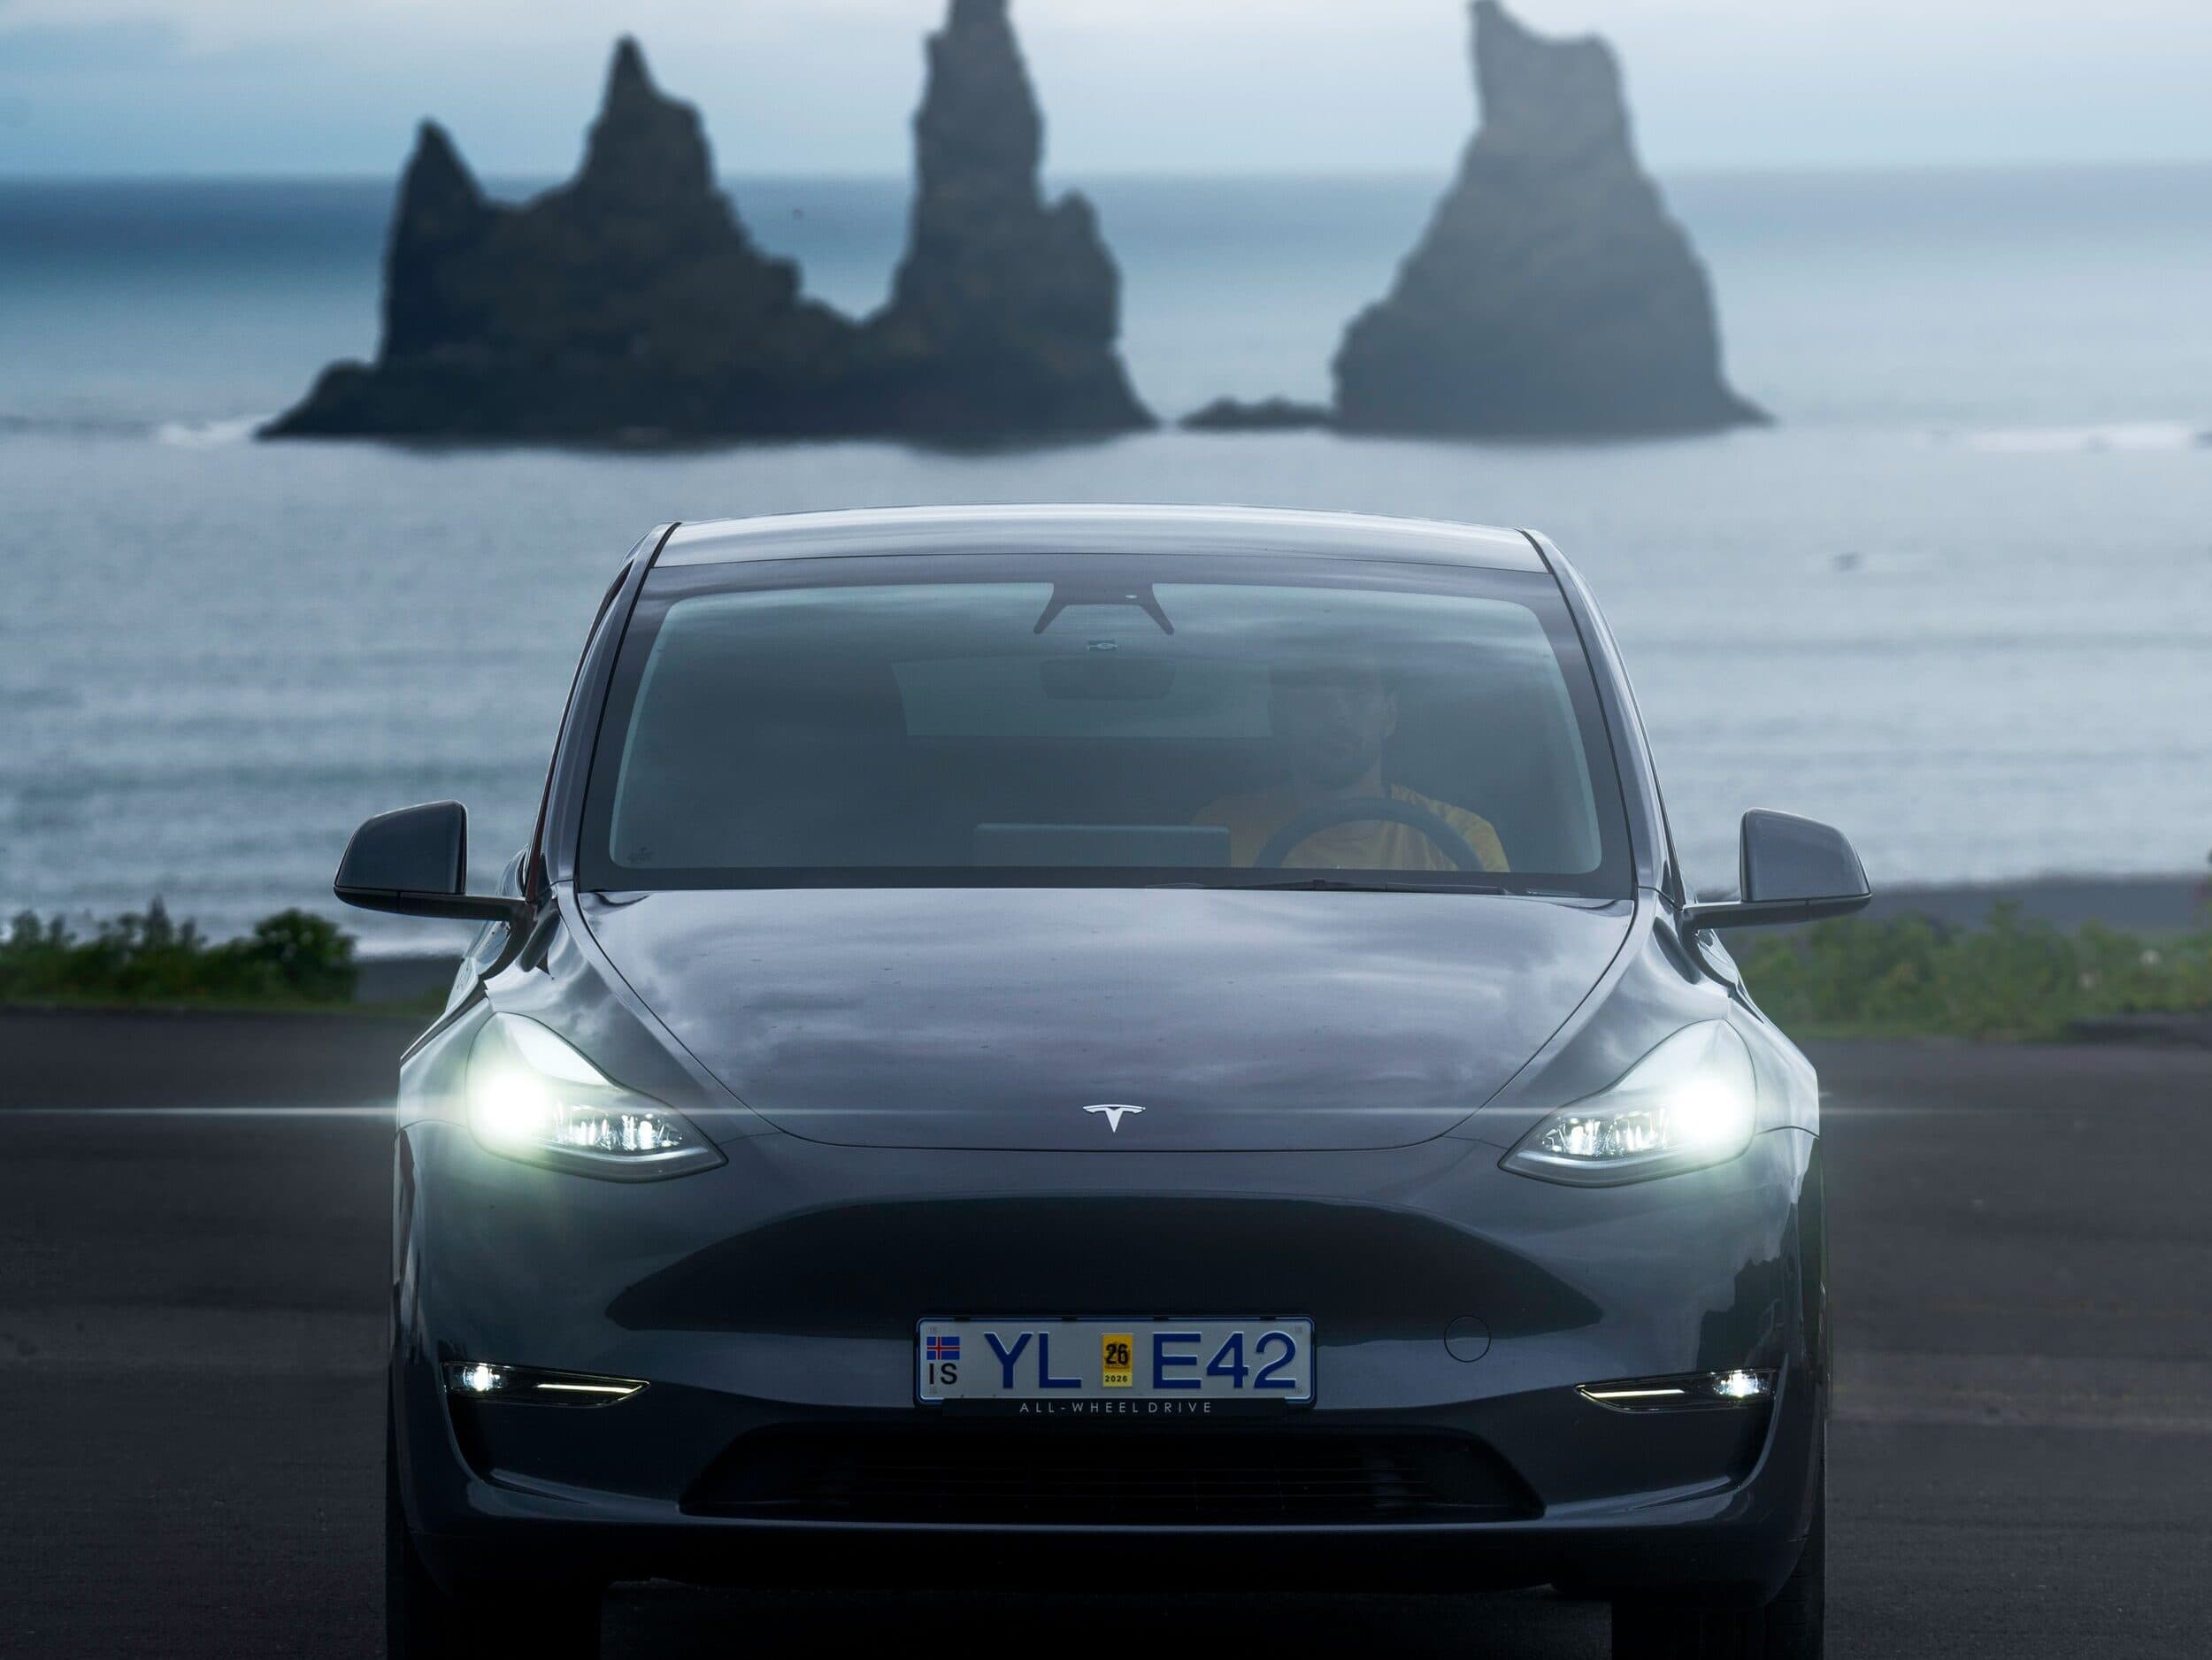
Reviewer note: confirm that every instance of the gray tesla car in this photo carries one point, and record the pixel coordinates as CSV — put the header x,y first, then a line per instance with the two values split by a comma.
x,y
1104,1045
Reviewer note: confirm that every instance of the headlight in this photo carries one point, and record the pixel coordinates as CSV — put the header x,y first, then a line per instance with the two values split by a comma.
x,y
531,1096
1690,1101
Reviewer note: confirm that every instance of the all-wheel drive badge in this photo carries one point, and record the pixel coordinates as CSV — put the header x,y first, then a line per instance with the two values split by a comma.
x,y
1113,1115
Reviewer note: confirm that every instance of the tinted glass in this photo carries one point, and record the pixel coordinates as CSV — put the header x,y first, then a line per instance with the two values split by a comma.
x,y
1102,719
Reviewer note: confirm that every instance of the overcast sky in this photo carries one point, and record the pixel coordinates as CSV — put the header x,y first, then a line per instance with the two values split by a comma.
x,y
806,86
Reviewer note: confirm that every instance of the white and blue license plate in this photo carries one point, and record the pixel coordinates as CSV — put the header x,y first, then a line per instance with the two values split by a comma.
x,y
1150,1366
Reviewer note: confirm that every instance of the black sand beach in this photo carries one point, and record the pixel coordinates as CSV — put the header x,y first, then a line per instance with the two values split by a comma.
x,y
191,1310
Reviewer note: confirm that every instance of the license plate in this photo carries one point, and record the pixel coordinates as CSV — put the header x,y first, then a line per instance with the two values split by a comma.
x,y
1150,1366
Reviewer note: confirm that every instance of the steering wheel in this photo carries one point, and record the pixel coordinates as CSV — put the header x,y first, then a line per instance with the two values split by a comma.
x,y
1300,827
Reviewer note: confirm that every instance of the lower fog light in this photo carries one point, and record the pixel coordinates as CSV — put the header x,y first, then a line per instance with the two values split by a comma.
x,y
479,1380
476,1379
1685,1391
1743,1386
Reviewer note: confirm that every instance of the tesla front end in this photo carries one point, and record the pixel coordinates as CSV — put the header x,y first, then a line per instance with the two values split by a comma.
x,y
1029,1039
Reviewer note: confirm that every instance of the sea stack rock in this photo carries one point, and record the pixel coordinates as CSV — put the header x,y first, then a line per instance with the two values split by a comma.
x,y
630,305
1005,310
442,216
627,303
1551,295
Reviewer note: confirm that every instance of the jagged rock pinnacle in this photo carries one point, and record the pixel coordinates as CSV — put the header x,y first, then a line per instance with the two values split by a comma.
x,y
1562,96
1551,294
441,213
629,305
1005,310
437,180
978,132
645,147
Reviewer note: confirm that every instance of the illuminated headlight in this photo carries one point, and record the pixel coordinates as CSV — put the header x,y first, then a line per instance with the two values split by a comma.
x,y
478,1380
1691,1102
531,1096
1689,1392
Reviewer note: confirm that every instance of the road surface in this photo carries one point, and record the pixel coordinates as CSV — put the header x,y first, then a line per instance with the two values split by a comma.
x,y
190,1318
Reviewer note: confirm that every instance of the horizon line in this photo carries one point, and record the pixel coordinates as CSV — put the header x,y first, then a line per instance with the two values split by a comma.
x,y
843,175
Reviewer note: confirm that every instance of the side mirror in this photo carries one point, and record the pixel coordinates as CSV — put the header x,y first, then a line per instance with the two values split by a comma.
x,y
416,862
1792,871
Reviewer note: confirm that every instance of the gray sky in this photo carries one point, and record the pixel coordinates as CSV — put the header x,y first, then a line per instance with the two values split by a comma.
x,y
804,86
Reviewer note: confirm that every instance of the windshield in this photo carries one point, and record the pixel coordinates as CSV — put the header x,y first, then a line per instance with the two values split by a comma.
x,y
1103,719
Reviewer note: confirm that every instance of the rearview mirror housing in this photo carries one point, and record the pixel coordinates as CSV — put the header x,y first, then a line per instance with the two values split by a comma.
x,y
1792,870
415,863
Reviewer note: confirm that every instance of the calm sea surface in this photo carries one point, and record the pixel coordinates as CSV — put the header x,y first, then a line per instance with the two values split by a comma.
x,y
1959,601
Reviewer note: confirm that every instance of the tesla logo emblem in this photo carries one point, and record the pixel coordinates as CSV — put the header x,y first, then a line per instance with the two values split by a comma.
x,y
1113,1115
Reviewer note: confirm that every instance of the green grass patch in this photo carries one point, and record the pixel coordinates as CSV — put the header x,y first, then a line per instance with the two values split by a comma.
x,y
2011,977
290,960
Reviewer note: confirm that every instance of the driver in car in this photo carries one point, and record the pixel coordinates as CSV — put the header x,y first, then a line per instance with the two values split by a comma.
x,y
1332,723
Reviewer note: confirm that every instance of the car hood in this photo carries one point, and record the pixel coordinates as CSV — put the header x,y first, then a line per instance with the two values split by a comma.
x,y
993,1017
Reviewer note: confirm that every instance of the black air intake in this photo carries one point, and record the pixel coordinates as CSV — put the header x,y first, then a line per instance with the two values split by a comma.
x,y
1075,1478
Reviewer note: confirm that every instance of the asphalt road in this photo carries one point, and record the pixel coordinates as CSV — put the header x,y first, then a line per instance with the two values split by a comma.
x,y
189,1398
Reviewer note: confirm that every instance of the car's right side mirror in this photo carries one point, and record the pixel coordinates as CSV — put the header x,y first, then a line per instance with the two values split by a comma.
x,y
1793,870
416,862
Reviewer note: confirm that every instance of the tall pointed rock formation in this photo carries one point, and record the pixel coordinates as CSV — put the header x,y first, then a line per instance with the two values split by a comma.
x,y
1005,310
629,303
647,154
443,214
1552,294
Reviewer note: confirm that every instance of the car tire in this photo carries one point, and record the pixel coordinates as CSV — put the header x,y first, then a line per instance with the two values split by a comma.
x,y
424,1621
1790,1627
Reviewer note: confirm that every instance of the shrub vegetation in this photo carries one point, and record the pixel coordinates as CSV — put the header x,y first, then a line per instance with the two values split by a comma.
x,y
146,956
2010,977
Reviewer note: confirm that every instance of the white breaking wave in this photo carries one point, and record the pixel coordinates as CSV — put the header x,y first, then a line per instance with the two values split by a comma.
x,y
2113,435
208,435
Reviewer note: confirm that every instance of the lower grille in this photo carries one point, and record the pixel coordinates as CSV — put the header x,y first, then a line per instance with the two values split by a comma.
x,y
949,1474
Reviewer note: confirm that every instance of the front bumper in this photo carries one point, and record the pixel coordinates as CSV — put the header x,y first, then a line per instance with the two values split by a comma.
x,y
776,1296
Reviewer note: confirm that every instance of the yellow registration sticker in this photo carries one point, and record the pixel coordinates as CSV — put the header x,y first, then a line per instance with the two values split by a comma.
x,y
1115,1351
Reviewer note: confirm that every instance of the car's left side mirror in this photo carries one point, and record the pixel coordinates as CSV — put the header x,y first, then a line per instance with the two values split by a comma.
x,y
1793,870
416,862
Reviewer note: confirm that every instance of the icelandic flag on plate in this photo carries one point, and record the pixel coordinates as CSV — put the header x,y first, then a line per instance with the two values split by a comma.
x,y
942,1348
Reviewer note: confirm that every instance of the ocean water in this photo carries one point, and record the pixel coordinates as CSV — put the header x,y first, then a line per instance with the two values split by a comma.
x,y
1958,600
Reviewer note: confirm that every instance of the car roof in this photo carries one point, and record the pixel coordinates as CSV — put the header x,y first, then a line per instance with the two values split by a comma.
x,y
1098,529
